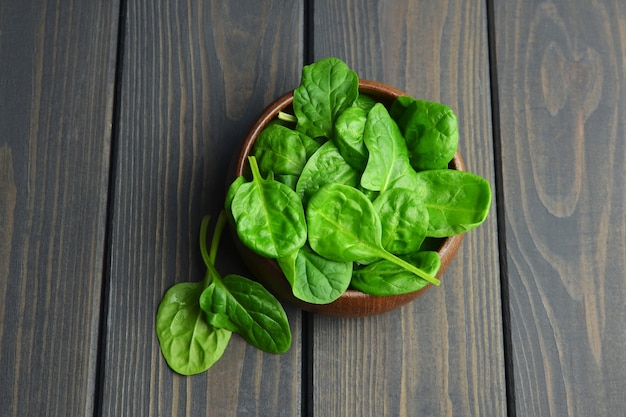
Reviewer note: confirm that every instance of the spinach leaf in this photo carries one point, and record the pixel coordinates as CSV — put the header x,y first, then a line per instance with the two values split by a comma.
x,y
287,265
244,306
388,165
188,343
310,145
280,150
431,133
364,102
289,180
398,109
315,279
232,191
194,321
324,167
327,88
269,216
386,278
404,220
344,226
349,137
457,201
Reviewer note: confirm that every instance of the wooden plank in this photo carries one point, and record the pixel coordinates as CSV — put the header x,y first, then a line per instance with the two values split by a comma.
x,y
562,94
442,354
196,74
57,60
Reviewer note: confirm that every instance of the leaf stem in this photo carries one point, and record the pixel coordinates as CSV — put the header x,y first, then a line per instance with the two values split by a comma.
x,y
254,167
204,226
286,117
217,235
210,276
410,267
209,256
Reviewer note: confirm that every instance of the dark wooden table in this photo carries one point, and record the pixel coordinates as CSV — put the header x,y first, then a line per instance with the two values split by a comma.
x,y
119,118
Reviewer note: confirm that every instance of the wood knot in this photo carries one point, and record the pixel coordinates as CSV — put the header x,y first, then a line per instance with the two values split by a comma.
x,y
577,78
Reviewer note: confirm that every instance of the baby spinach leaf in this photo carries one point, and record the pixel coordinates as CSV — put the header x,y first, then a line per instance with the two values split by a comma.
x,y
457,201
232,191
386,278
388,165
398,107
189,344
431,134
324,167
315,279
327,88
244,306
344,226
349,137
269,216
280,150
371,195
310,145
287,265
289,180
364,102
404,220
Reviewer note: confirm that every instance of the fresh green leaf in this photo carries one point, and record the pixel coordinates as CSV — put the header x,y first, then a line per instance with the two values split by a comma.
x,y
386,278
315,279
280,150
287,265
327,88
232,191
364,102
188,343
324,167
269,216
310,145
431,133
404,220
244,306
344,226
388,165
398,108
289,180
349,129
457,201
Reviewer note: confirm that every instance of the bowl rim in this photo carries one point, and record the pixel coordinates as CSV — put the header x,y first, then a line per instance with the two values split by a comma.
x,y
342,306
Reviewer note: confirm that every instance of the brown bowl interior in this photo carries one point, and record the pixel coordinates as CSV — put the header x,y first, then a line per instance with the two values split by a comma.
x,y
352,303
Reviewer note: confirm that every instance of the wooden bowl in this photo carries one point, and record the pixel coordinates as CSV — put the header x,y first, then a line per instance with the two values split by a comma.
x,y
352,303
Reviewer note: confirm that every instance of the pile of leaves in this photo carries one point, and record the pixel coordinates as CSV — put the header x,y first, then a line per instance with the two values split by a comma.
x,y
345,193
349,194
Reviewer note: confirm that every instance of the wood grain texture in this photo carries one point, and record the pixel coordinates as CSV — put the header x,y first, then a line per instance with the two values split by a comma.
x,y
196,74
56,106
562,92
442,354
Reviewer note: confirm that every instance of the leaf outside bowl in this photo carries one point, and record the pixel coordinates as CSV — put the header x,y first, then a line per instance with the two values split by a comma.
x,y
352,303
